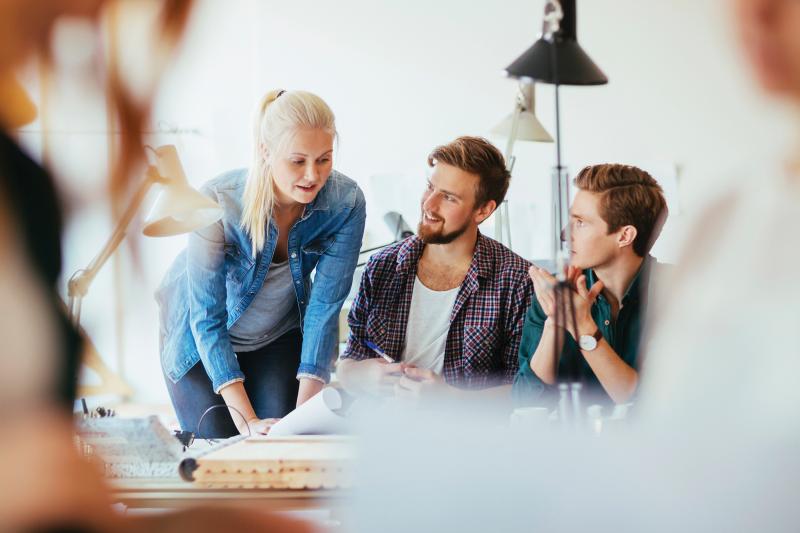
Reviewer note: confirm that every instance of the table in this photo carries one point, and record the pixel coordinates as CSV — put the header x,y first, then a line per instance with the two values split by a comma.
x,y
174,493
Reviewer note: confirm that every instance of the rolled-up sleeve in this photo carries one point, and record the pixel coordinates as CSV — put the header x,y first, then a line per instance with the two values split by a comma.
x,y
357,320
332,282
208,316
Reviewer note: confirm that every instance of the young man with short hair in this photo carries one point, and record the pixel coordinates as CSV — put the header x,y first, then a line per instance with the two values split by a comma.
x,y
446,305
615,218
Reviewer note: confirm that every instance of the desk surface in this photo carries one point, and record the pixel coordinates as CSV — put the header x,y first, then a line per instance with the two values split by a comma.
x,y
175,493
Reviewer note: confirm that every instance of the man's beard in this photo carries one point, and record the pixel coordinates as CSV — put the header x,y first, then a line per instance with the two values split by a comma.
x,y
439,237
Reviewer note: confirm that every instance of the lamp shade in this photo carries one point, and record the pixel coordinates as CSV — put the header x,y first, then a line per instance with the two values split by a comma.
x,y
528,126
557,58
179,208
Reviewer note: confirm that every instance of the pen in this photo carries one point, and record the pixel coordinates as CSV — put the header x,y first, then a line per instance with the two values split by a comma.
x,y
374,347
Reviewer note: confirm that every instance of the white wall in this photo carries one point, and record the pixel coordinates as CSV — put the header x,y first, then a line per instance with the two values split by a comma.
x,y
405,76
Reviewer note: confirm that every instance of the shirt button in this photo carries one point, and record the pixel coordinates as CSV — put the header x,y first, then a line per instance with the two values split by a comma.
x,y
294,255
607,322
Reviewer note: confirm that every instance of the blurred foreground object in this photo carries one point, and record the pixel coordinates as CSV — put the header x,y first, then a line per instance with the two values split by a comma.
x,y
17,109
178,209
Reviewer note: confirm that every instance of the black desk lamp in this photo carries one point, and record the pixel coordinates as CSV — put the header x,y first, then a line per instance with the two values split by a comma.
x,y
556,58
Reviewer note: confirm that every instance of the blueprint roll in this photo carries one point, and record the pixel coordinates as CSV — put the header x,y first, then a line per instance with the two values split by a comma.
x,y
320,415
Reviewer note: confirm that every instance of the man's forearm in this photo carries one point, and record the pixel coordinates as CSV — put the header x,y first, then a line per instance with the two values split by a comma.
x,y
617,378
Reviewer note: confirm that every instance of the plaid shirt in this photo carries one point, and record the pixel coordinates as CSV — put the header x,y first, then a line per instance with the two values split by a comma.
x,y
485,323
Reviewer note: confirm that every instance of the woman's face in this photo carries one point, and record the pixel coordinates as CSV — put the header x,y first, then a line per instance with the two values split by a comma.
x,y
770,33
303,169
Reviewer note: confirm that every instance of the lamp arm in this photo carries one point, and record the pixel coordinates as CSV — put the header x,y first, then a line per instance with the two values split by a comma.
x,y
78,285
512,135
501,211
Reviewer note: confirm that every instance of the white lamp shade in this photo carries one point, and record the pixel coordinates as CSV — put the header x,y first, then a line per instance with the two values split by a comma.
x,y
179,208
528,129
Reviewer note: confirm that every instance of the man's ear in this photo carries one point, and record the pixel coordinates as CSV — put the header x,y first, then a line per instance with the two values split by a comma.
x,y
627,234
485,211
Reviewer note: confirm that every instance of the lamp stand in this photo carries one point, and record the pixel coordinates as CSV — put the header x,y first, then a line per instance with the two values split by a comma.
x,y
560,202
542,63
564,305
502,223
81,280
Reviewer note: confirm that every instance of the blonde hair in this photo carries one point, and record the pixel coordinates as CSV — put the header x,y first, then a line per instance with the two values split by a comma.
x,y
280,114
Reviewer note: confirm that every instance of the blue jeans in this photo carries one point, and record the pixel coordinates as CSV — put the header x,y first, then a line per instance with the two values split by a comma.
x,y
270,383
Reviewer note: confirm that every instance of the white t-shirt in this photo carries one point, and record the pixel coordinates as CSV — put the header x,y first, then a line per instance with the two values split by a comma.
x,y
428,325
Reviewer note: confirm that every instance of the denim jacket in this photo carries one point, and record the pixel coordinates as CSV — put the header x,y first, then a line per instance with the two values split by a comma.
x,y
215,279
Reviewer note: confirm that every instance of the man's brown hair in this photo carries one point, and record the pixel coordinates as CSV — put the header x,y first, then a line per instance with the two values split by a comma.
x,y
629,196
477,156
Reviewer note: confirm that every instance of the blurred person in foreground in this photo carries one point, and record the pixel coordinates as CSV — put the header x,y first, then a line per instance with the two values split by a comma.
x,y
724,349
45,485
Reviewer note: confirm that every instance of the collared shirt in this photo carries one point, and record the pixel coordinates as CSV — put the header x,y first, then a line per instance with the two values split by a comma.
x,y
213,282
485,322
623,335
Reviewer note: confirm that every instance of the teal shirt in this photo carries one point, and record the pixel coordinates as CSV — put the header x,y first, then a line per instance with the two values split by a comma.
x,y
623,334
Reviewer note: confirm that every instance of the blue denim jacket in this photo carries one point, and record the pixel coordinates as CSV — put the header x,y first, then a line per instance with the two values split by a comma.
x,y
215,279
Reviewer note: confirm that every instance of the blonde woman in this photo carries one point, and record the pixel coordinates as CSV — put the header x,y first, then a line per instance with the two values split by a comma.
x,y
238,316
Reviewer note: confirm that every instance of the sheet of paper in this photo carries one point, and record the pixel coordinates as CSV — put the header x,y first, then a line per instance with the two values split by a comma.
x,y
314,417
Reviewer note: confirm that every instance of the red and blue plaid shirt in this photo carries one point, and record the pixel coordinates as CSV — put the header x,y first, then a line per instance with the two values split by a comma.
x,y
485,322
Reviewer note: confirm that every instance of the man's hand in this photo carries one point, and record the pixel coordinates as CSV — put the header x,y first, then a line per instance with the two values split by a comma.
x,y
308,388
545,285
381,376
582,299
420,383
375,377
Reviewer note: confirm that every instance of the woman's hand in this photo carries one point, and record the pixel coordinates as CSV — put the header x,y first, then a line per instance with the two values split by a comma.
x,y
259,426
308,388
